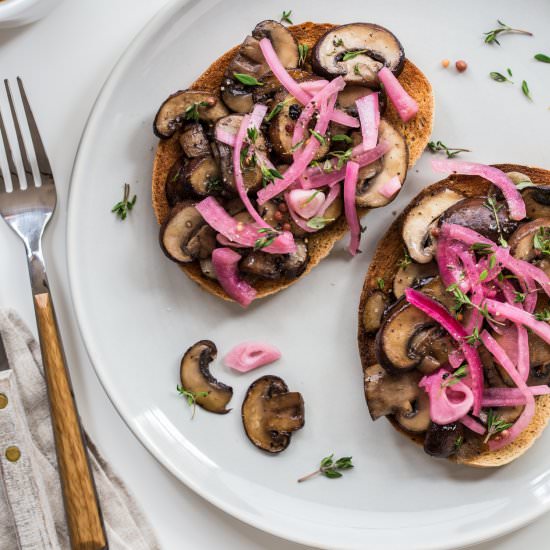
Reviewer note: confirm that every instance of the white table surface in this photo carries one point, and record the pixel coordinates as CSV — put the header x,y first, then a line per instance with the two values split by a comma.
x,y
64,59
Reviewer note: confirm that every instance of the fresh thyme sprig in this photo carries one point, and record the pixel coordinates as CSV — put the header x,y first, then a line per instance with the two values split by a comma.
x,y
461,300
492,205
495,424
541,241
483,249
302,53
437,146
406,260
285,18
321,139
473,338
353,55
499,77
454,377
318,222
192,112
277,109
342,137
269,174
329,468
380,283
492,35
525,90
268,236
247,80
342,157
543,315
191,397
122,208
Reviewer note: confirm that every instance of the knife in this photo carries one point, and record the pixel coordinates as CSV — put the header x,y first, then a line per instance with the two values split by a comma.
x,y
23,484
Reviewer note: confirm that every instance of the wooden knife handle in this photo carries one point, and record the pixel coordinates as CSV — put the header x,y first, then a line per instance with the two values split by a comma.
x,y
82,509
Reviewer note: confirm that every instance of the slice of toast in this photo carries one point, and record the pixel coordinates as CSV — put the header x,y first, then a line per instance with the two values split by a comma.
x,y
385,264
417,133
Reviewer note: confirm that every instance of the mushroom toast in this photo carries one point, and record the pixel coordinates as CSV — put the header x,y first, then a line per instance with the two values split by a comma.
x,y
454,332
279,147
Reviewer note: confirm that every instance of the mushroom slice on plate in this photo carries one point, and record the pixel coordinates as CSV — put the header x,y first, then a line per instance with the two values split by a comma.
x,y
261,264
281,129
250,61
183,225
175,187
411,275
375,305
374,176
202,175
357,52
270,413
193,140
398,395
184,106
196,377
418,223
523,242
293,265
477,214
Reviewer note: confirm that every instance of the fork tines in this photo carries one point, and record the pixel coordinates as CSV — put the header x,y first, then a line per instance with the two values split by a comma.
x,y
39,151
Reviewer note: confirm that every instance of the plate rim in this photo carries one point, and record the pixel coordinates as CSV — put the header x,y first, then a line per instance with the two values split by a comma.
x,y
127,58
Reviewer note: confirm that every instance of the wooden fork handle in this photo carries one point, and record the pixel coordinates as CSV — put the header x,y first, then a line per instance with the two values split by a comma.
x,y
82,509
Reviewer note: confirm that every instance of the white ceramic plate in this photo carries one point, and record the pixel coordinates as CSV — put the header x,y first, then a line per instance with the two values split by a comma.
x,y
138,312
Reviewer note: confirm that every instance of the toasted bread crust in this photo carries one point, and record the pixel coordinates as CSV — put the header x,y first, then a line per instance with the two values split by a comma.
x,y
384,265
416,132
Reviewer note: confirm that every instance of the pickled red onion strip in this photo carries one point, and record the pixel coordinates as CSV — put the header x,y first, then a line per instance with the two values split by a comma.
x,y
225,263
404,104
369,116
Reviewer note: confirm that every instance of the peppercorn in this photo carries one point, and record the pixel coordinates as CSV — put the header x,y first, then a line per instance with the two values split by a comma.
x,y
283,207
461,65
445,63
278,215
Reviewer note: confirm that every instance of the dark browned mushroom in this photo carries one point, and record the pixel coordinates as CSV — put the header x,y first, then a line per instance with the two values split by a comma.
x,y
443,441
475,213
196,378
184,106
202,175
399,396
270,413
250,61
537,201
261,264
523,240
357,52
412,274
373,177
184,236
281,128
420,219
175,188
193,140
351,93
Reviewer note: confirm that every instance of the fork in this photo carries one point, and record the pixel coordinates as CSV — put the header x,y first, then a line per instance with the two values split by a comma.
x,y
27,211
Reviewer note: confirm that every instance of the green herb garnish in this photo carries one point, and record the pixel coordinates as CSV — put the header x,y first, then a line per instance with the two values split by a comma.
x,y
342,157
213,186
252,134
337,42
454,377
542,58
483,249
321,139
276,110
297,146
525,90
269,175
191,397
541,241
380,283
313,195
459,441
318,222
268,236
329,468
437,146
543,315
247,80
302,53
356,70
406,260
499,77
492,36
483,275
495,424
285,18
492,261
353,55
122,208
474,337
192,112
342,137
492,205
520,296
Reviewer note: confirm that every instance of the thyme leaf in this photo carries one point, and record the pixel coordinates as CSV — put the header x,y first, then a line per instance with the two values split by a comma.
x,y
330,468
122,208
